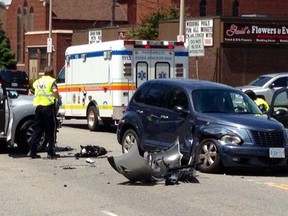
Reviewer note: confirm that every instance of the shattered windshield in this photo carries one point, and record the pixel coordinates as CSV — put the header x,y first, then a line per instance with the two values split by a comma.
x,y
223,101
260,81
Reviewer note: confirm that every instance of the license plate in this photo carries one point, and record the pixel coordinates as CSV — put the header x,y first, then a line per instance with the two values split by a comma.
x,y
14,84
276,153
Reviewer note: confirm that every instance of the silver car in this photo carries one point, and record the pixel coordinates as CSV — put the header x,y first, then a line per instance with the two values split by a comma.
x,y
265,85
17,115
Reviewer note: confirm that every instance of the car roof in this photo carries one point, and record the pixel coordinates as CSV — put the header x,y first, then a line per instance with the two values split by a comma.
x,y
192,83
275,74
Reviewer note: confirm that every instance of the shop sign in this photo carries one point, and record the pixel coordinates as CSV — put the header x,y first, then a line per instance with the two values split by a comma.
x,y
95,36
200,28
246,33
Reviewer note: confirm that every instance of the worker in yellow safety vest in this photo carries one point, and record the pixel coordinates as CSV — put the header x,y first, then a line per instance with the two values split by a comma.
x,y
45,97
261,103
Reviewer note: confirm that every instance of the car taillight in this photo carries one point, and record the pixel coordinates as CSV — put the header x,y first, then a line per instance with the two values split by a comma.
x,y
179,70
127,69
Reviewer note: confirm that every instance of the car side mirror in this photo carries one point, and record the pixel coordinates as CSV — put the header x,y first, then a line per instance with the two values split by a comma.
x,y
271,86
181,109
280,113
13,94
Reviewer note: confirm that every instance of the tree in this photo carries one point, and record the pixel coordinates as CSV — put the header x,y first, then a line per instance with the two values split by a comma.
x,y
149,27
7,57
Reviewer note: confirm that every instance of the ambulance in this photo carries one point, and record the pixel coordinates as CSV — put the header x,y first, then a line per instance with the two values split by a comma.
x,y
98,79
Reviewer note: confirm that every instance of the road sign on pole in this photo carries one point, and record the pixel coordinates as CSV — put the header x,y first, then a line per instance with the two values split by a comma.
x,y
196,46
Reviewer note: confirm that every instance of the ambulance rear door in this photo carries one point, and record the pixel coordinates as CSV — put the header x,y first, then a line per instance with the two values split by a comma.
x,y
152,64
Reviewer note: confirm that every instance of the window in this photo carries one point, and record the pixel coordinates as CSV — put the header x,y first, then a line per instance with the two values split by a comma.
x,y
43,58
281,82
31,19
219,8
157,95
141,93
162,70
177,97
32,53
25,16
19,36
203,8
61,76
235,10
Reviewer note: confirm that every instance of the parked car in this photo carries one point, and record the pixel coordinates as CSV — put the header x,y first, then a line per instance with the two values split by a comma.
x,y
15,80
219,124
17,115
265,85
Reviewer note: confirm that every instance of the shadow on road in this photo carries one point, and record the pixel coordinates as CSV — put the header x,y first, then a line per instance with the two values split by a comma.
x,y
277,172
15,152
108,129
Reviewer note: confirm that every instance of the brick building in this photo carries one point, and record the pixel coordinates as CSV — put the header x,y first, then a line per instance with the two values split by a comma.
x,y
250,52
28,32
28,28
3,15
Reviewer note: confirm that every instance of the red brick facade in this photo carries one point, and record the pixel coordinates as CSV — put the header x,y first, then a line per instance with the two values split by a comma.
x,y
29,42
28,28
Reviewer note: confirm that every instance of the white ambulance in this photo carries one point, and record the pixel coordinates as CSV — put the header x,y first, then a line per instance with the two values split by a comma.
x,y
99,79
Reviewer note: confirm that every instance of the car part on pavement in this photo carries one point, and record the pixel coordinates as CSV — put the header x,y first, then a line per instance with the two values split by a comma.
x,y
153,166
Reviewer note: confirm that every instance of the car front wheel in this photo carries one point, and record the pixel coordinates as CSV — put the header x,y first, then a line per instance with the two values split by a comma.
x,y
208,158
24,137
129,139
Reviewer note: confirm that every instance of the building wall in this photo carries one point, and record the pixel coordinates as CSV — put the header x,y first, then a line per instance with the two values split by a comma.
x,y
234,63
139,9
40,12
210,66
3,16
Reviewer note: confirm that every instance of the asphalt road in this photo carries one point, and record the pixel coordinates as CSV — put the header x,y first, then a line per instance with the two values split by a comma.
x,y
70,186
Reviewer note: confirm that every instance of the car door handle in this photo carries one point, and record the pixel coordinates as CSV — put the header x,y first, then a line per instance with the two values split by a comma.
x,y
139,111
164,117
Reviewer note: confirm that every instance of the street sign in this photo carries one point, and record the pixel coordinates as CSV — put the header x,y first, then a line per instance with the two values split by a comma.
x,y
49,45
196,46
180,38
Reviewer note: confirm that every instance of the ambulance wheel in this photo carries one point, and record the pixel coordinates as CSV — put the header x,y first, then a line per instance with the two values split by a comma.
x,y
92,119
24,136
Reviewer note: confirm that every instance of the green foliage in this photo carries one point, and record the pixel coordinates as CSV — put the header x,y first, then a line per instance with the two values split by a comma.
x,y
7,58
149,27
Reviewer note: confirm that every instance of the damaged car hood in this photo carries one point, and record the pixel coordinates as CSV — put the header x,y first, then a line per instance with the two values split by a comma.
x,y
241,120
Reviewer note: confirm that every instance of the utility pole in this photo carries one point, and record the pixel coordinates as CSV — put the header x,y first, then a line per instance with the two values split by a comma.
x,y
49,39
113,13
181,21
181,36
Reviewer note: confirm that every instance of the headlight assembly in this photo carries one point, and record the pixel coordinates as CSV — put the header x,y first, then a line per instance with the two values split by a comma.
x,y
231,139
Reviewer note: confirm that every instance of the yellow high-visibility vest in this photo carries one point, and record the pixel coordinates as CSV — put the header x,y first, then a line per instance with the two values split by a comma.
x,y
43,91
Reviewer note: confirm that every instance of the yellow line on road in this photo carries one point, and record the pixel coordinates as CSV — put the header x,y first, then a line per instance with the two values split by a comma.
x,y
282,186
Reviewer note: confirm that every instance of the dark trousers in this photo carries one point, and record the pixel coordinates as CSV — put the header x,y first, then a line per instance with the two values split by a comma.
x,y
45,122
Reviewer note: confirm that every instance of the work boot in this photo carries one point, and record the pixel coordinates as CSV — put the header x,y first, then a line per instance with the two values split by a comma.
x,y
53,156
33,155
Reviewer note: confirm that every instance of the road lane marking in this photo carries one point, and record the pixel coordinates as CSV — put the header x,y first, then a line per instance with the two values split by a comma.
x,y
108,213
282,186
